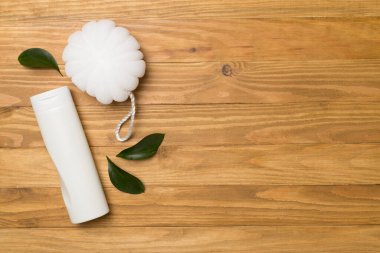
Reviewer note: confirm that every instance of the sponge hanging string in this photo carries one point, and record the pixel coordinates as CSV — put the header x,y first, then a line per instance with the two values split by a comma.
x,y
131,116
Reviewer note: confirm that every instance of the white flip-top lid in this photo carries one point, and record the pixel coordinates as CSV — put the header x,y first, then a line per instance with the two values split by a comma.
x,y
51,99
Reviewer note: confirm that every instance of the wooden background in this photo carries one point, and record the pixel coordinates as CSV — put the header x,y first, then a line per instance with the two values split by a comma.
x,y
271,111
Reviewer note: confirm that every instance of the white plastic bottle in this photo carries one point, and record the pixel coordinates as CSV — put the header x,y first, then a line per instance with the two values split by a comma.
x,y
67,145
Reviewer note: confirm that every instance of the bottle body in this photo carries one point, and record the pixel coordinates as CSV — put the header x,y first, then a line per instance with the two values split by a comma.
x,y
67,145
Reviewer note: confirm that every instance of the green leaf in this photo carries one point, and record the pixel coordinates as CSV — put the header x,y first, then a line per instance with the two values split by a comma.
x,y
38,58
146,148
124,181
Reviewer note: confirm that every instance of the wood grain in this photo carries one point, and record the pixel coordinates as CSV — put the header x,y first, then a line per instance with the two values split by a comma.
x,y
209,83
202,206
271,111
213,124
184,9
215,40
316,239
310,164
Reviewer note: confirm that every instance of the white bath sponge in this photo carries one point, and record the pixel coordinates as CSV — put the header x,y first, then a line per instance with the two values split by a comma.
x,y
104,60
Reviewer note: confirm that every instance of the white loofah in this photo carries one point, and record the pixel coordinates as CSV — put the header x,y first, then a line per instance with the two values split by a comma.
x,y
104,61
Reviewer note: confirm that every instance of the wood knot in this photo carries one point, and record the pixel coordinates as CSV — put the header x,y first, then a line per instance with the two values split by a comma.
x,y
227,70
193,50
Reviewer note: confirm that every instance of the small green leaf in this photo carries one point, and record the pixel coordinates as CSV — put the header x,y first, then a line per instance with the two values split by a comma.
x,y
38,58
146,148
124,181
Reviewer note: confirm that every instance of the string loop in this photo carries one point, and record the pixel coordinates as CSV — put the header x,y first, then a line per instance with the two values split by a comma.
x,y
131,116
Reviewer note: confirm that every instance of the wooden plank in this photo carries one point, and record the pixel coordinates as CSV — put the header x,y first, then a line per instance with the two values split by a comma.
x,y
227,79
310,164
220,205
205,83
213,124
194,239
215,40
184,9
